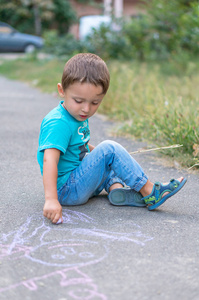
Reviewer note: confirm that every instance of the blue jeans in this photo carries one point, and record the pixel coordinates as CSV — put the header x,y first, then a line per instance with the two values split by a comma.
x,y
107,164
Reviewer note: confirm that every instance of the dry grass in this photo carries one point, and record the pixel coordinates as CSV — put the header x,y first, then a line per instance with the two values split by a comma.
x,y
154,102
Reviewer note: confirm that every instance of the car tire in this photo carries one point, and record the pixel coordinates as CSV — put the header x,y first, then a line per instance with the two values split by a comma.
x,y
30,48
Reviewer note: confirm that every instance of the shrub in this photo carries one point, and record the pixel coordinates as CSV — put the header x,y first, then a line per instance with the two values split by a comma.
x,y
137,32
64,45
109,43
166,31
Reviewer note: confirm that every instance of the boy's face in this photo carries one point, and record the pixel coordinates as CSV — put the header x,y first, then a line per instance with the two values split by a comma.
x,y
81,99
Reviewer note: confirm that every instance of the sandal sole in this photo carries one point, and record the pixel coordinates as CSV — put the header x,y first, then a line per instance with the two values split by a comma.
x,y
152,207
128,197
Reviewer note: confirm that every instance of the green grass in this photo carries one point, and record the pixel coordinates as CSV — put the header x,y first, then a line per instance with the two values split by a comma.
x,y
43,74
157,104
153,102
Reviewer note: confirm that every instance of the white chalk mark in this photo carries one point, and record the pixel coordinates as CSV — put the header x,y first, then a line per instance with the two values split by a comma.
x,y
76,251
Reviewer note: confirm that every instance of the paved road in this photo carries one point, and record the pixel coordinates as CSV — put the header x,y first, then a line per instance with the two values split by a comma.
x,y
101,251
13,56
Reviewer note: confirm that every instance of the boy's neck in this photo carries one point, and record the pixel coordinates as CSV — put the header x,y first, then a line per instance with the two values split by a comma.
x,y
64,106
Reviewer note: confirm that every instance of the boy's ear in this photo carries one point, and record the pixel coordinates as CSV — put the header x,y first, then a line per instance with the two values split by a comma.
x,y
60,90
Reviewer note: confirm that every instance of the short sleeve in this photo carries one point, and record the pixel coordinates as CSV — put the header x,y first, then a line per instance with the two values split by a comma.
x,y
54,133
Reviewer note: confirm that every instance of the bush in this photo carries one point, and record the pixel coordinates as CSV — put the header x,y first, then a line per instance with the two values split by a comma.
x,y
108,43
137,32
64,45
33,16
166,31
189,29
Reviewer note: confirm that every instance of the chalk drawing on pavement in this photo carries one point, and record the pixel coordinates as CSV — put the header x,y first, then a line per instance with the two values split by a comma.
x,y
65,249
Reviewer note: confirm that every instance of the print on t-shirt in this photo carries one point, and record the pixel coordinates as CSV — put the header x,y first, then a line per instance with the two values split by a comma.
x,y
84,131
83,150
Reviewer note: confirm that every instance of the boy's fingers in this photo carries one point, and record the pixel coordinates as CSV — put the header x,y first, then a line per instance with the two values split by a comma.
x,y
57,218
47,214
54,215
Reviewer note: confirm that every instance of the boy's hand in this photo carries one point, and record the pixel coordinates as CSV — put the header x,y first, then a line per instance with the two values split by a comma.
x,y
91,147
52,210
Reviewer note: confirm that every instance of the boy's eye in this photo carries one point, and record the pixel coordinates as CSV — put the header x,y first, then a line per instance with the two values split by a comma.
x,y
78,101
95,103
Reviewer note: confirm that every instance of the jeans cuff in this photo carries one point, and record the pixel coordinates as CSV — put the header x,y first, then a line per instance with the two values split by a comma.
x,y
141,183
113,181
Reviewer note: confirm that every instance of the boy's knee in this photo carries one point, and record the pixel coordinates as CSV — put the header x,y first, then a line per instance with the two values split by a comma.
x,y
109,144
109,147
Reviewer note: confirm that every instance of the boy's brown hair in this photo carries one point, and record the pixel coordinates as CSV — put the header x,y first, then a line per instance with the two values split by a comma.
x,y
86,67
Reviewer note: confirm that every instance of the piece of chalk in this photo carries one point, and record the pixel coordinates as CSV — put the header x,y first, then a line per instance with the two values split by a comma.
x,y
59,221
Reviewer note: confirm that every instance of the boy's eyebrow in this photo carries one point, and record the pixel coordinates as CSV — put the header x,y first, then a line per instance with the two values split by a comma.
x,y
80,98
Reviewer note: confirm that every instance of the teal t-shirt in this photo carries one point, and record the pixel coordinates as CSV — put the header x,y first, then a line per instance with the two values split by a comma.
x,y
61,131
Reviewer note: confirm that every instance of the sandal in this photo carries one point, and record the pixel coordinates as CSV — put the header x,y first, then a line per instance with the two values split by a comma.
x,y
155,199
126,196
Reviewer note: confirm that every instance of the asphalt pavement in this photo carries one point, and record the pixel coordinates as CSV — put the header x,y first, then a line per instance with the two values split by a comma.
x,y
100,251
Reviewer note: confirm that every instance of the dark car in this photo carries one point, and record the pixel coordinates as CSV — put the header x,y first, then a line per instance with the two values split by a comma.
x,y
12,40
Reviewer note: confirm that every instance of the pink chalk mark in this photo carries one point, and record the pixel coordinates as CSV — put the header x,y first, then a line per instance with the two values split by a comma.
x,y
69,277
30,284
20,250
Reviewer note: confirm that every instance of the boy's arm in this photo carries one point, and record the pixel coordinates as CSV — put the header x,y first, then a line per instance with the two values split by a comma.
x,y
52,208
91,147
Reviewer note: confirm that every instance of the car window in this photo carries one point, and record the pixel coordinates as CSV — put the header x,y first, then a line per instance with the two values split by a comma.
x,y
5,30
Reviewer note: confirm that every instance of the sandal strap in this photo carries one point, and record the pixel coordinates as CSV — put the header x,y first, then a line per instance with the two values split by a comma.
x,y
159,189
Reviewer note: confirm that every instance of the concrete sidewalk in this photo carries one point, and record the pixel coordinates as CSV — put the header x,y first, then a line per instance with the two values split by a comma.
x,y
101,251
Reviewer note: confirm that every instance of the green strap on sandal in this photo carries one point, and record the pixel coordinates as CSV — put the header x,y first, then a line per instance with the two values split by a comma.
x,y
157,198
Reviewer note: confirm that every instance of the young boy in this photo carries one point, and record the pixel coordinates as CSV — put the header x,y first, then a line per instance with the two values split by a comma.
x,y
70,176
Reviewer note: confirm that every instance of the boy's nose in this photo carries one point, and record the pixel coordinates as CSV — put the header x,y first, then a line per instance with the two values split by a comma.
x,y
86,108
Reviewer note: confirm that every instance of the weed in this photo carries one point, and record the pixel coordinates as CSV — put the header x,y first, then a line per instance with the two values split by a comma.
x,y
157,106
